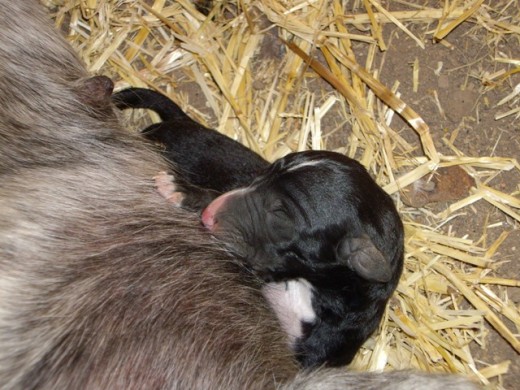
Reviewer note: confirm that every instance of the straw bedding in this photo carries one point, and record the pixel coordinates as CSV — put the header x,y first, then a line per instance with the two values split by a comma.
x,y
285,76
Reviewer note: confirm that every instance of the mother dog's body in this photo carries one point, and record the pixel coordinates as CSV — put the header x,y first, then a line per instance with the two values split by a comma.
x,y
101,284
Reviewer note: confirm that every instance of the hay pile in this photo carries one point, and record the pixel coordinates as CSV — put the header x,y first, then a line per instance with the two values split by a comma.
x,y
284,76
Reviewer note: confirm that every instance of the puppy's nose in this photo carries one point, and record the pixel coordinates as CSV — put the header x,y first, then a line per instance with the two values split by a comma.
x,y
209,215
208,219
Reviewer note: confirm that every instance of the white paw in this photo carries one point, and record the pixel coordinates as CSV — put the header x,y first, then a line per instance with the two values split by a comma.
x,y
166,187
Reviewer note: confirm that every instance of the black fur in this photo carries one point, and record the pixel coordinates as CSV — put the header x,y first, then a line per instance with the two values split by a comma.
x,y
204,157
325,221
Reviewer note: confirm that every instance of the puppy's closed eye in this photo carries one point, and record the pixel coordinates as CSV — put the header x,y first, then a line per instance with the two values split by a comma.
x,y
362,257
279,223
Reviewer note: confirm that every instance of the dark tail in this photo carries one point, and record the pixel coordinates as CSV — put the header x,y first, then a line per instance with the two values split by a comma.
x,y
149,99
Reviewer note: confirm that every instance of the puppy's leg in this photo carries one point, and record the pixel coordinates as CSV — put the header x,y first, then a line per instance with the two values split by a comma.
x,y
183,195
167,189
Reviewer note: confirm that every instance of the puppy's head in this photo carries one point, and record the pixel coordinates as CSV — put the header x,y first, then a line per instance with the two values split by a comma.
x,y
315,208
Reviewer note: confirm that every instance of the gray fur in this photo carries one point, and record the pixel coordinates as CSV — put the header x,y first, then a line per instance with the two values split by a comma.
x,y
338,379
102,285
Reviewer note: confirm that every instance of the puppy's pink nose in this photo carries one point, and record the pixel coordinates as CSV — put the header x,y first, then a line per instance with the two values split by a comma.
x,y
209,214
208,219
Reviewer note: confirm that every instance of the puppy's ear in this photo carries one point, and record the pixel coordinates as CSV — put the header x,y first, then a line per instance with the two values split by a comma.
x,y
362,257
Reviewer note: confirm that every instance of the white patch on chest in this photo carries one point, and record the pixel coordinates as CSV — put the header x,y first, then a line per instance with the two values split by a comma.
x,y
292,303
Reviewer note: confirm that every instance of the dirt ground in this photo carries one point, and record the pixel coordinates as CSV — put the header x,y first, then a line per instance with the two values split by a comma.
x,y
467,104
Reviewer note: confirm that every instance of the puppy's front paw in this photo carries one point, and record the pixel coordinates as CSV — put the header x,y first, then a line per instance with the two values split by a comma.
x,y
166,187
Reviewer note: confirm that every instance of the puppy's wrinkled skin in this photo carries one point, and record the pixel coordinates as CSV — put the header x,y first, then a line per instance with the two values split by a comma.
x,y
102,286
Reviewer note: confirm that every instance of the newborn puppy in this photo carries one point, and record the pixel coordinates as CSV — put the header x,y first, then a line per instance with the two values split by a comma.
x,y
319,224
315,226
202,157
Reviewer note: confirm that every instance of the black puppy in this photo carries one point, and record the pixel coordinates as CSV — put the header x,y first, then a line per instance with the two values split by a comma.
x,y
318,220
206,161
326,238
